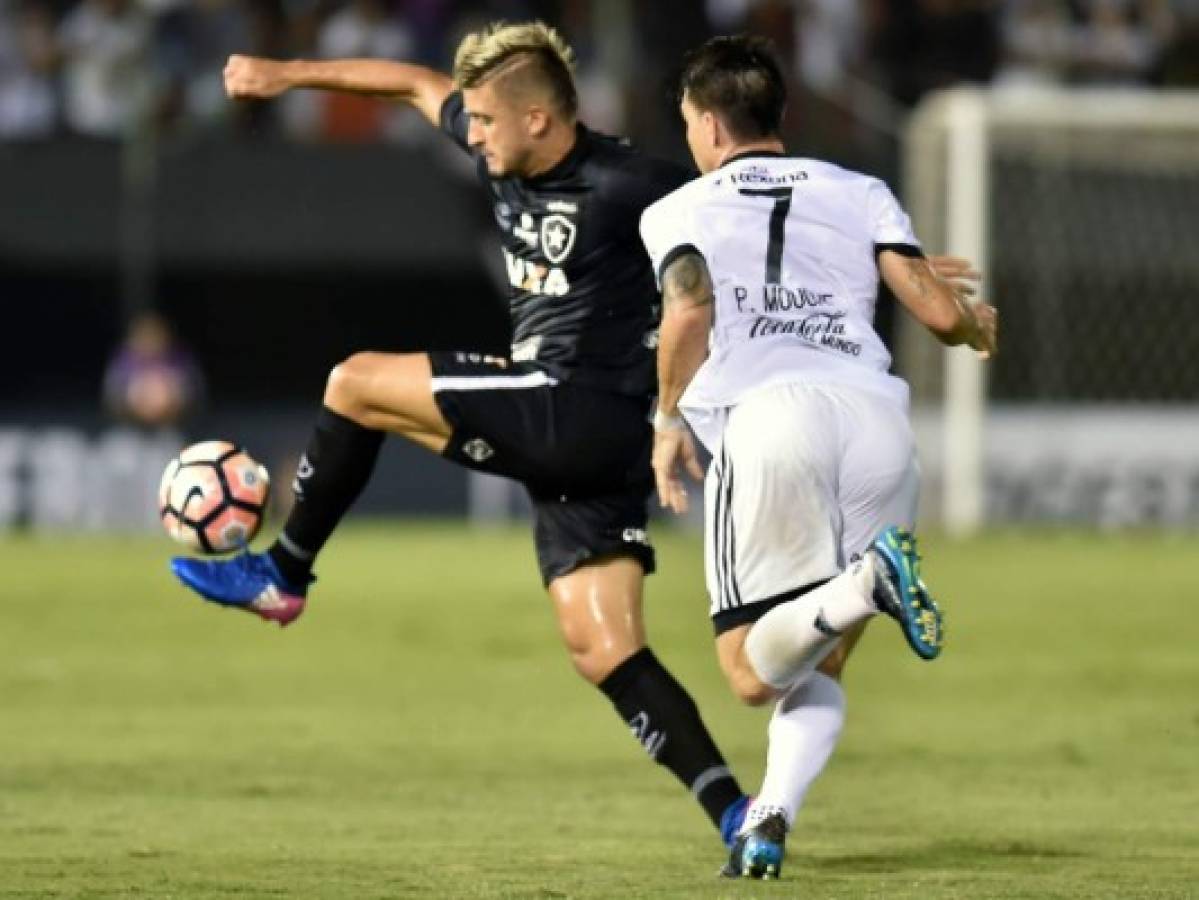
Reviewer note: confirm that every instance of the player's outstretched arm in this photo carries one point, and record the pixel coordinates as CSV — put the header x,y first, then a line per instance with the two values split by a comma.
x,y
682,348
946,307
256,78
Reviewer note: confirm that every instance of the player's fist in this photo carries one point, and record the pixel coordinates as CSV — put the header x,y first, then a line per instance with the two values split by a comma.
x,y
254,78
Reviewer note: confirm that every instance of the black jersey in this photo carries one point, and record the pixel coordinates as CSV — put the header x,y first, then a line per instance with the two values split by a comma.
x,y
583,300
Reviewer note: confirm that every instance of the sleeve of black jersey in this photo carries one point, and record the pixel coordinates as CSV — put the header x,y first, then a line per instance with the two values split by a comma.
x,y
665,178
454,121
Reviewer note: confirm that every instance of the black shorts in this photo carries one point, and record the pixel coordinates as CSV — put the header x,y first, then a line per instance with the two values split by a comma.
x,y
582,454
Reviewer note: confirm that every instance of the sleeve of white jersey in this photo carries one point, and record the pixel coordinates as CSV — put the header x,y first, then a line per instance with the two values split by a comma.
x,y
889,225
666,232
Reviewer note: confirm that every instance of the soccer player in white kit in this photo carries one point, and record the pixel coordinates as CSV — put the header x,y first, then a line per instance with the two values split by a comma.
x,y
769,267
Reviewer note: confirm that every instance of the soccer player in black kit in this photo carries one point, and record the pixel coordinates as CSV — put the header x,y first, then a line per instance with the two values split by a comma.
x,y
566,414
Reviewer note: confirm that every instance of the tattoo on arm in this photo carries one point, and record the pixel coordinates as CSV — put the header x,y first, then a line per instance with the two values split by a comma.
x,y
687,278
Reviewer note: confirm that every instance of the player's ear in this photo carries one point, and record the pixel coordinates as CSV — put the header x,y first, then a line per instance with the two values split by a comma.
x,y
711,128
537,122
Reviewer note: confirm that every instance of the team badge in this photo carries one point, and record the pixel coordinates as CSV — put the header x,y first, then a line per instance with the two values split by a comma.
x,y
478,450
557,237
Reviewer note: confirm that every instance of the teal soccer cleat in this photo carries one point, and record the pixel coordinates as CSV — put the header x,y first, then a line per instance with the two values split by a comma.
x,y
249,581
899,592
758,853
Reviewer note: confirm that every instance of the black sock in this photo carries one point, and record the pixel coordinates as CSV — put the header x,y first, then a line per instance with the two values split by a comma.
x,y
666,722
333,471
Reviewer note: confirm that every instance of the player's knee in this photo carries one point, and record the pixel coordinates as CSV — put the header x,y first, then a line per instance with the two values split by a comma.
x,y
752,692
748,687
742,679
595,659
344,387
593,666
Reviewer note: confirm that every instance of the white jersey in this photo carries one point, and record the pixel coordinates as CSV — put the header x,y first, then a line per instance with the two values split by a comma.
x,y
791,246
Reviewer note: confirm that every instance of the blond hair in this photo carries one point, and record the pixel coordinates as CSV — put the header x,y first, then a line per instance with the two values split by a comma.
x,y
534,49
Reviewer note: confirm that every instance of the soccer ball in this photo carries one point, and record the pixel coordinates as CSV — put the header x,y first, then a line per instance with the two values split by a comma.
x,y
212,497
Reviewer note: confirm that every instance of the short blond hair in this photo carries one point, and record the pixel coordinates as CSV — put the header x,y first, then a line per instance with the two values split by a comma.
x,y
533,48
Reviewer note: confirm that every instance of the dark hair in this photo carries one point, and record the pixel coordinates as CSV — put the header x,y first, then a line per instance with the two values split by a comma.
x,y
738,79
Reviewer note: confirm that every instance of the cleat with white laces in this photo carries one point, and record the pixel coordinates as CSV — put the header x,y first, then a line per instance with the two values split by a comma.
x,y
900,593
250,582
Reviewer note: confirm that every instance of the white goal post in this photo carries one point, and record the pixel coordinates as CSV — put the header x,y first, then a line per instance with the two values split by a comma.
x,y
1085,161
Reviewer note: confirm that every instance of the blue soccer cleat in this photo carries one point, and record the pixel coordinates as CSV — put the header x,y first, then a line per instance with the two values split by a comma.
x,y
759,852
733,818
899,592
250,581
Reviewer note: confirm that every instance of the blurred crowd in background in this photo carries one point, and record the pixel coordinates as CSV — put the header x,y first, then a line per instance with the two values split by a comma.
x,y
133,197
100,68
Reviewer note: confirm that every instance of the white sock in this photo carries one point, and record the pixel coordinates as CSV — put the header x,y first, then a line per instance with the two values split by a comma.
x,y
803,732
793,638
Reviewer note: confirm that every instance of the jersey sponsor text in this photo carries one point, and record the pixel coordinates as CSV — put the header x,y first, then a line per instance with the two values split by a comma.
x,y
535,278
823,329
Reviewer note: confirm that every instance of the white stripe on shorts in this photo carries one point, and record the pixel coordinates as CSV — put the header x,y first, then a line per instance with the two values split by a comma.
x,y
491,382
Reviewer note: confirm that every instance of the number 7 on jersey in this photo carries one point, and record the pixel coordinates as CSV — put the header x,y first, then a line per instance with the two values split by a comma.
x,y
778,228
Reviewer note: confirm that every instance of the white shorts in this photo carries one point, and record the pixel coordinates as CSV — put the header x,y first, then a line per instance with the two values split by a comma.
x,y
807,476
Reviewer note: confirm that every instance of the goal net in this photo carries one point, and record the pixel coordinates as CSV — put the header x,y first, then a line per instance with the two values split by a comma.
x,y
1082,207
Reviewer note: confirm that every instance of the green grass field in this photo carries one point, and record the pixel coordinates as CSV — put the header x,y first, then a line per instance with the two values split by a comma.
x,y
419,733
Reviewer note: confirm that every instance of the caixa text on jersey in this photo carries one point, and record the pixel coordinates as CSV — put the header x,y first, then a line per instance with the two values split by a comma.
x,y
534,277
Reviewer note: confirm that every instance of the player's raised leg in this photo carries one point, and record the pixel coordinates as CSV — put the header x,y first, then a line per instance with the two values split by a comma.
x,y
793,638
366,396
598,607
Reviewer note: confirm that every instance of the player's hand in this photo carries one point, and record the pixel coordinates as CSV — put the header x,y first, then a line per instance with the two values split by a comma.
x,y
672,447
986,331
254,78
959,272
964,279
